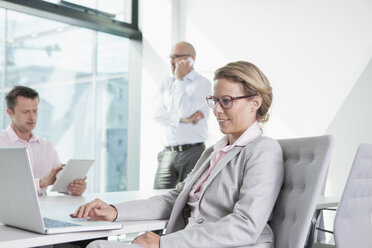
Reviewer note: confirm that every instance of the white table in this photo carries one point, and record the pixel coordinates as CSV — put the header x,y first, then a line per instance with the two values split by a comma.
x,y
17,238
327,202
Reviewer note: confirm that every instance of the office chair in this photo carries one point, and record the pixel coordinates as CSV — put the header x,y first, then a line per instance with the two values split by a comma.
x,y
306,163
353,221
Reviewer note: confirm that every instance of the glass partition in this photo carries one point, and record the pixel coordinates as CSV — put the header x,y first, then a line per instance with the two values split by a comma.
x,y
82,78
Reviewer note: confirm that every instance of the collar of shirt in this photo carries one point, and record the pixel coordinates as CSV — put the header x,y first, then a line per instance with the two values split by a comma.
x,y
251,134
189,76
13,137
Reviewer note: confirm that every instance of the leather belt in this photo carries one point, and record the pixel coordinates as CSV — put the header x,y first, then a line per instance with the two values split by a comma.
x,y
181,148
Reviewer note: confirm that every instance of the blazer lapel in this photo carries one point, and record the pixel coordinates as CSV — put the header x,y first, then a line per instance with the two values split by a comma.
x,y
221,164
183,196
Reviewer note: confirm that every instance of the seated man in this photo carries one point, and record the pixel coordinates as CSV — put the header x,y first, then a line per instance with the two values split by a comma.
x,y
22,108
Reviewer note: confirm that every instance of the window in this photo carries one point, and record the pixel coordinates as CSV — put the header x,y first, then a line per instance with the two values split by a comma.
x,y
82,78
117,10
119,17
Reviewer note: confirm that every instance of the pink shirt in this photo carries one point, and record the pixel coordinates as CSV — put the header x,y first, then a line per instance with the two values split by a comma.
x,y
43,156
219,150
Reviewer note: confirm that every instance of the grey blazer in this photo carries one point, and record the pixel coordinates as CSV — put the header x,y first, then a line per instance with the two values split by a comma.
x,y
234,208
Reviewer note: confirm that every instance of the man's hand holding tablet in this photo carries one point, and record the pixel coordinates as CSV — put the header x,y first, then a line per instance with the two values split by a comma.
x,y
72,178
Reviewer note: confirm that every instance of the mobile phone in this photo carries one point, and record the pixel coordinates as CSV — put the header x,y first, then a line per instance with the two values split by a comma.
x,y
191,61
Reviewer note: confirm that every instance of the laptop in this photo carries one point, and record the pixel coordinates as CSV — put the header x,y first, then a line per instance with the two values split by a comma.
x,y
19,206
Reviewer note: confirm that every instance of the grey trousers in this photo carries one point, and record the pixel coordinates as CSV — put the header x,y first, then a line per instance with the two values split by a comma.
x,y
108,244
175,166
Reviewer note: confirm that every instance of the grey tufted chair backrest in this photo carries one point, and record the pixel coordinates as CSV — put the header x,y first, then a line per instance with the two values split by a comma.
x,y
305,166
353,221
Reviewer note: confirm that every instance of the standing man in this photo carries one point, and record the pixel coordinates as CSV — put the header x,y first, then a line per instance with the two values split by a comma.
x,y
183,112
22,108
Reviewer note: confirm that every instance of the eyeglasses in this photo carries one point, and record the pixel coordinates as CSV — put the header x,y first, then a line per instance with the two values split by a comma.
x,y
175,56
225,101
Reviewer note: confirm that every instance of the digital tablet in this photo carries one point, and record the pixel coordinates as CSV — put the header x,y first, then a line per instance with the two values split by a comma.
x,y
74,169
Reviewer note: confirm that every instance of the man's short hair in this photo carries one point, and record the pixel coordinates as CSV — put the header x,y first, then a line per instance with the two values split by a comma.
x,y
24,91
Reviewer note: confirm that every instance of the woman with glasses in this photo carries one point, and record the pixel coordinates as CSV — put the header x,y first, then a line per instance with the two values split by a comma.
x,y
227,200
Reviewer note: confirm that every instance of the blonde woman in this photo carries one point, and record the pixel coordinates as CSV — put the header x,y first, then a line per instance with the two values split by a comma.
x,y
227,200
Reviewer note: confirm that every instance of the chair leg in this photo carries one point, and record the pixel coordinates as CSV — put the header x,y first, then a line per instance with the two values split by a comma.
x,y
315,245
310,236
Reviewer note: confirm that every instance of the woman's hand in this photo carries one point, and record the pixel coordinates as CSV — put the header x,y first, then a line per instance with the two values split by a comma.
x,y
96,210
148,240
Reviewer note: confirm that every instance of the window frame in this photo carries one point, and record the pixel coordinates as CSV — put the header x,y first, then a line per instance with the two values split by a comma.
x,y
69,15
131,30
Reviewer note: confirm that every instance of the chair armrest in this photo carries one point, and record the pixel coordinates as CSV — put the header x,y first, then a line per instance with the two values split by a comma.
x,y
323,230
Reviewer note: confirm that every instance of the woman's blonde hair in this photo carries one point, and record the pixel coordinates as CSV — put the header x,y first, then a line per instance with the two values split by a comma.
x,y
253,81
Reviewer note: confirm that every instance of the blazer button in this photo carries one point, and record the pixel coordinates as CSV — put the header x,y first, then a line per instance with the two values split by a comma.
x,y
200,221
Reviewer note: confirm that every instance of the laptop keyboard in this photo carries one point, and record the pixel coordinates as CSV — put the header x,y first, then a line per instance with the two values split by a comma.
x,y
50,223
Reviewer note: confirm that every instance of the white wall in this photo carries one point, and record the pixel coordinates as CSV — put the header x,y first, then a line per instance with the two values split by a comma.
x,y
351,125
157,31
313,52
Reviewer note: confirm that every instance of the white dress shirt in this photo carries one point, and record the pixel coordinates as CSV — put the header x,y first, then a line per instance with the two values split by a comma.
x,y
180,99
